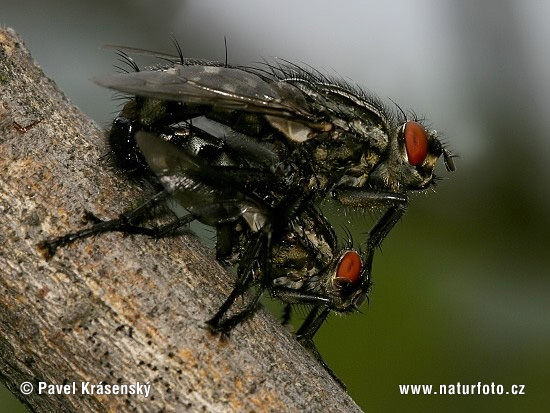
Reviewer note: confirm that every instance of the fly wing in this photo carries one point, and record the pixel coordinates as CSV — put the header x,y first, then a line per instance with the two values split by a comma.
x,y
263,154
199,188
224,87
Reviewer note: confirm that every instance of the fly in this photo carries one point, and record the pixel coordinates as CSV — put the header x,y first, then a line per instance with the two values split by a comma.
x,y
250,151
303,135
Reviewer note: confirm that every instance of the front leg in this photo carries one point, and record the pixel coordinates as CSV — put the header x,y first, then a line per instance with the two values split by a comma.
x,y
310,326
360,197
397,205
377,234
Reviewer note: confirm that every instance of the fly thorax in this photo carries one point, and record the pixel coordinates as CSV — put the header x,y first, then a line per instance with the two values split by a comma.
x,y
374,137
151,111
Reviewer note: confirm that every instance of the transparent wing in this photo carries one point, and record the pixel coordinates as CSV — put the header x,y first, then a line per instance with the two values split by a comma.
x,y
210,193
253,150
225,87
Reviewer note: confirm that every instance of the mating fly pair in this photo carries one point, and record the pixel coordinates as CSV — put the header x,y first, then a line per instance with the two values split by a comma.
x,y
250,151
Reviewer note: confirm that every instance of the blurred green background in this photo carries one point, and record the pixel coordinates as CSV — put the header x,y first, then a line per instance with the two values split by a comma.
x,y
462,285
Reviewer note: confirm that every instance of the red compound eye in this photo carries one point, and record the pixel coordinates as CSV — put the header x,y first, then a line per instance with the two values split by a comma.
x,y
416,142
349,268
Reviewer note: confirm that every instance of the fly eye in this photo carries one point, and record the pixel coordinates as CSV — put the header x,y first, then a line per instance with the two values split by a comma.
x,y
416,142
349,268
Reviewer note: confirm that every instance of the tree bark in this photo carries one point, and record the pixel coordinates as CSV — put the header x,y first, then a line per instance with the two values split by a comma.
x,y
116,309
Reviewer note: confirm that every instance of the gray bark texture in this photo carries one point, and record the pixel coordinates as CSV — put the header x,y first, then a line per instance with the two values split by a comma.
x,y
118,309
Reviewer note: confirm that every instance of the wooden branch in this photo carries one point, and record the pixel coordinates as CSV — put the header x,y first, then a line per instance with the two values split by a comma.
x,y
115,309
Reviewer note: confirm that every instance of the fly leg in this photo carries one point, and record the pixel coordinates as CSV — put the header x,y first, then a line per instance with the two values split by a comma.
x,y
287,315
305,334
358,197
257,248
376,236
397,205
126,223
